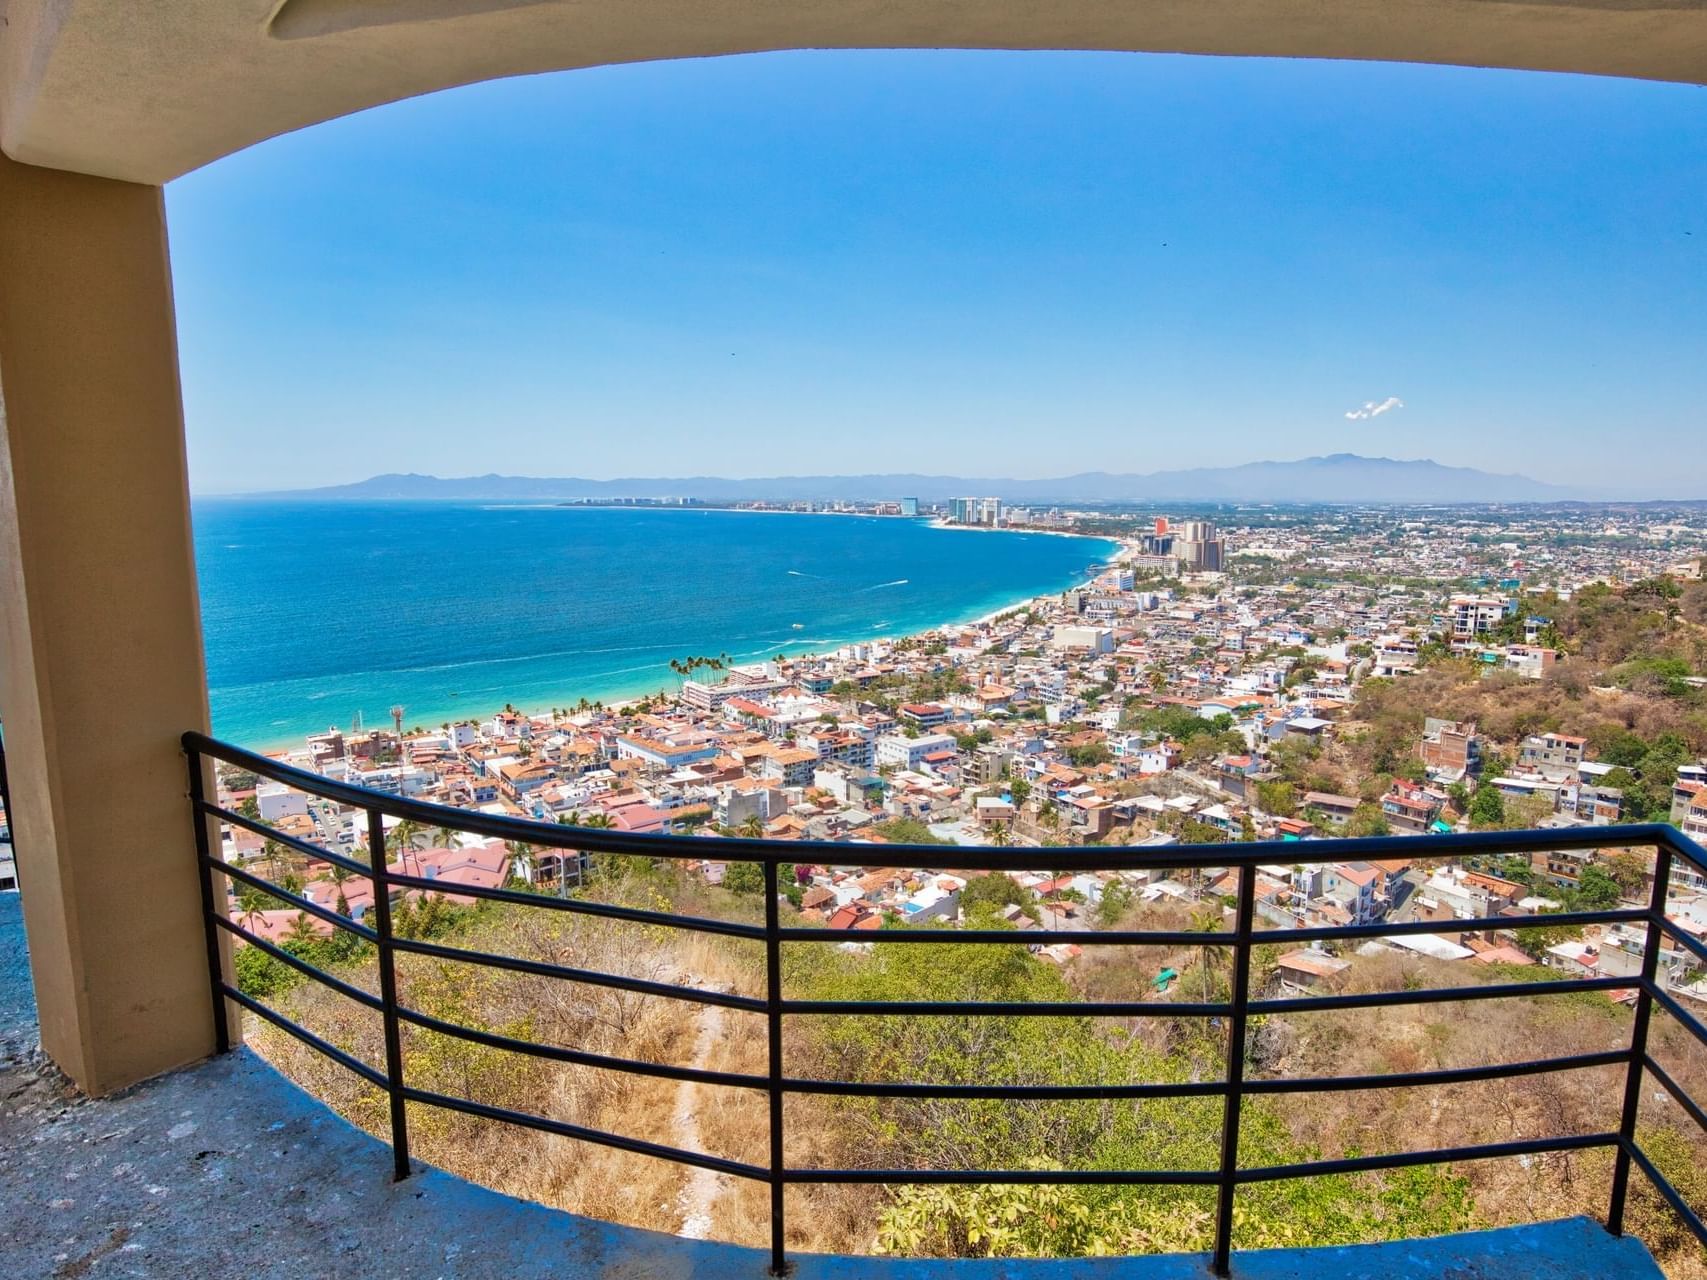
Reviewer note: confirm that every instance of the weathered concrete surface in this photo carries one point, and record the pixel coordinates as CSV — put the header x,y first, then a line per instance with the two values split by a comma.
x,y
226,1171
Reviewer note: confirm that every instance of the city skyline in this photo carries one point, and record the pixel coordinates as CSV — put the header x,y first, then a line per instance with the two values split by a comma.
x,y
964,263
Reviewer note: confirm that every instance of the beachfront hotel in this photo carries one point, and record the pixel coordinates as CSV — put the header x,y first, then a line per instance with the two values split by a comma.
x,y
206,1160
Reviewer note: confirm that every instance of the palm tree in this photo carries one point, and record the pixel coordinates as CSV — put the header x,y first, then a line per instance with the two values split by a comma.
x,y
340,876
251,902
300,929
270,851
1206,919
521,855
1000,836
753,828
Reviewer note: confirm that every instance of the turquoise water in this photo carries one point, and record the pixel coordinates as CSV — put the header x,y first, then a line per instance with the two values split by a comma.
x,y
315,611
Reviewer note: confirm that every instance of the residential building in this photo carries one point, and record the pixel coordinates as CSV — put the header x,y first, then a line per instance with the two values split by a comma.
x,y
1450,749
1472,616
1554,756
908,753
1410,808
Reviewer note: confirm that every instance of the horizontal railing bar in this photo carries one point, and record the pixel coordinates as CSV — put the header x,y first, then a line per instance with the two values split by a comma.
x,y
1408,1159
1217,938
1684,1017
364,998
1006,1009
1482,924
1679,1094
563,1129
1691,944
580,1057
291,899
307,848
1669,1193
1018,1177
544,969
1451,1075
1014,937
1084,858
1003,1092
581,907
1442,995
345,1060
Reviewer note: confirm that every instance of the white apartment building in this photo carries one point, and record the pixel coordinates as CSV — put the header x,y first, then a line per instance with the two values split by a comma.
x,y
907,753
1472,616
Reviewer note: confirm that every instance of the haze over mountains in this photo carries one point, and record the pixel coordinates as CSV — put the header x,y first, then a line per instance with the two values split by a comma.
x,y
1338,478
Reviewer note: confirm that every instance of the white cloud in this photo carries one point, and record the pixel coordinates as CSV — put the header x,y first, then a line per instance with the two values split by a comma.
x,y
1375,408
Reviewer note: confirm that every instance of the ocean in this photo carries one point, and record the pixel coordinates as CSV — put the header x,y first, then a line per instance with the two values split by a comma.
x,y
314,612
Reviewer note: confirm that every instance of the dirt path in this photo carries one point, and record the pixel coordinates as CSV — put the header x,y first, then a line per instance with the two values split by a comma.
x,y
701,1186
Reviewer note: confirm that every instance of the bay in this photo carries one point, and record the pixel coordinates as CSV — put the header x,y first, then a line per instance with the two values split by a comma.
x,y
316,611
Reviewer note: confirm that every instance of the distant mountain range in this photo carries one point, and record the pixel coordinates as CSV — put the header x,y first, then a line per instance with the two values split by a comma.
x,y
1338,478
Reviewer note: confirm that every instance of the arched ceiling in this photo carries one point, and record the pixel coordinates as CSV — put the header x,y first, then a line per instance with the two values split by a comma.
x,y
148,89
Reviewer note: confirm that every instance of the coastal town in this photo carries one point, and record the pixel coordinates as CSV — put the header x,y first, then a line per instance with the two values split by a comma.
x,y
1286,675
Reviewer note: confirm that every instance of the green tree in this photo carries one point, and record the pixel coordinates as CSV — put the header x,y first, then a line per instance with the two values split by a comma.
x,y
1487,808
1278,798
744,878
1368,820
990,894
1596,889
1117,899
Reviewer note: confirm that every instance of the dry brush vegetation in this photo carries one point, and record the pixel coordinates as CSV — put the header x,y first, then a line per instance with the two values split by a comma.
x,y
732,1122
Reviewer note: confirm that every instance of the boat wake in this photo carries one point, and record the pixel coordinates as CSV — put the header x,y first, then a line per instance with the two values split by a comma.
x,y
899,582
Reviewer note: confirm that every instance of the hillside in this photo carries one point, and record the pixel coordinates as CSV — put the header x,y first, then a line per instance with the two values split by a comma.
x,y
1338,478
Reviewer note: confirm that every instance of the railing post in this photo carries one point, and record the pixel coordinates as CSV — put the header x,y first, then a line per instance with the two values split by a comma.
x,y
388,993
204,876
1225,1189
773,1025
1639,1039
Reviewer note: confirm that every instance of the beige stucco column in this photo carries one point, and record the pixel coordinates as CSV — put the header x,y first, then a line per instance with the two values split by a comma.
x,y
101,667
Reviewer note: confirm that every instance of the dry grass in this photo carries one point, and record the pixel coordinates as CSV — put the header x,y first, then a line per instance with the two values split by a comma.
x,y
610,1184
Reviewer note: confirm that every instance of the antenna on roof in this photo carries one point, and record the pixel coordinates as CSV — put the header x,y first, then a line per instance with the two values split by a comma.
x,y
397,719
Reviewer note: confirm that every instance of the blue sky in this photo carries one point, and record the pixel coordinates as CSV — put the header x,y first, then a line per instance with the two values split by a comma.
x,y
974,263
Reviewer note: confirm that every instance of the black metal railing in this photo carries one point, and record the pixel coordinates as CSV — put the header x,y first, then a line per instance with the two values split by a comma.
x,y
1233,1013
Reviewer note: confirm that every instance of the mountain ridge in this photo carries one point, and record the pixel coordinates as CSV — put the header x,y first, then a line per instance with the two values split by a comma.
x,y
1334,478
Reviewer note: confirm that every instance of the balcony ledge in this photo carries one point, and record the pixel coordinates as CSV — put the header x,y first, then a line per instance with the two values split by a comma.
x,y
226,1169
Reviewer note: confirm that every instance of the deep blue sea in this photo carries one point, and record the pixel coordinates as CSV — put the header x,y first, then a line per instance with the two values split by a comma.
x,y
314,611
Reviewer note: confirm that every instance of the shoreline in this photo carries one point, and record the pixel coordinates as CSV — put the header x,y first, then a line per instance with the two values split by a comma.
x,y
618,695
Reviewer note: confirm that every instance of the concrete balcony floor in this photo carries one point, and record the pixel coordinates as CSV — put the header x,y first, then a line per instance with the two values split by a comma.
x,y
225,1169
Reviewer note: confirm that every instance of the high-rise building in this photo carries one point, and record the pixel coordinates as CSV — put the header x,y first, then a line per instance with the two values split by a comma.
x,y
909,506
990,512
1198,547
963,510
